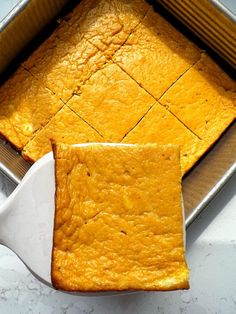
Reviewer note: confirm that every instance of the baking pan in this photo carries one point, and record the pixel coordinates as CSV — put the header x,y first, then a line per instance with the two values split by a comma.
x,y
210,20
213,170
22,23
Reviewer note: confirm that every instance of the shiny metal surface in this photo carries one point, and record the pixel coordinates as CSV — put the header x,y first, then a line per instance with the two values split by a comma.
x,y
22,23
210,20
205,181
11,163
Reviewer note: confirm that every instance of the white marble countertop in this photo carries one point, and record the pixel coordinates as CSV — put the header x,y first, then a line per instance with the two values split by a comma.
x,y
211,256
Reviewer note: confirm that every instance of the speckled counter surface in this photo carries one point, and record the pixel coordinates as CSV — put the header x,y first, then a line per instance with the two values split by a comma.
x,y
211,255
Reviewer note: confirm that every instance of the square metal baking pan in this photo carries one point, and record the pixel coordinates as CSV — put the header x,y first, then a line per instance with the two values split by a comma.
x,y
213,170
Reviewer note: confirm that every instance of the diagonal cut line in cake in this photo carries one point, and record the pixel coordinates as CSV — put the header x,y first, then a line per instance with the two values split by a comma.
x,y
160,126
26,105
68,58
76,90
141,58
123,139
111,102
160,103
154,20
91,126
204,99
156,54
65,126
199,101
64,61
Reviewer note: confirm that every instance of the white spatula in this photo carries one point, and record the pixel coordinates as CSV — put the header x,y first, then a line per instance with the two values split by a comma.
x,y
27,216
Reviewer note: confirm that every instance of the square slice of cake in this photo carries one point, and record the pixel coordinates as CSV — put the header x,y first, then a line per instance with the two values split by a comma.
x,y
118,218
111,102
156,54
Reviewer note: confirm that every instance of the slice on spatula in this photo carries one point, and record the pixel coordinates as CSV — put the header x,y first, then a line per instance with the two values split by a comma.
x,y
118,218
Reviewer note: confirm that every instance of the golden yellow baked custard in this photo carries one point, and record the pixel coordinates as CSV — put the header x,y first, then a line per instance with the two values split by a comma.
x,y
25,107
118,218
111,102
160,126
65,126
156,54
127,75
64,61
204,99
107,24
